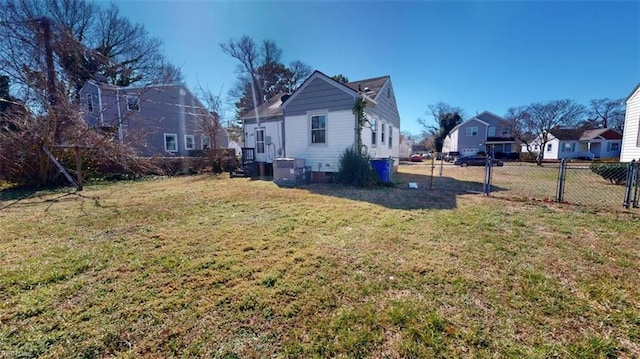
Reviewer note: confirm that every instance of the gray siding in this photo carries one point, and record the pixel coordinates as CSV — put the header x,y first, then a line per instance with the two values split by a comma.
x,y
386,107
163,109
493,121
319,95
476,142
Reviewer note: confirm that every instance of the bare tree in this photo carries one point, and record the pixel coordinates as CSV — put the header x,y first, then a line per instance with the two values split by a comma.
x,y
261,73
533,124
446,117
606,113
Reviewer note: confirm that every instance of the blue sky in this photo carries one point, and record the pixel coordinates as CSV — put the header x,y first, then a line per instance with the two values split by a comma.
x,y
478,55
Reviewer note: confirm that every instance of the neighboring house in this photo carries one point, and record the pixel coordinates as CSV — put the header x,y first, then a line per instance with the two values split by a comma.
x,y
631,135
264,131
481,133
316,123
156,120
576,143
406,148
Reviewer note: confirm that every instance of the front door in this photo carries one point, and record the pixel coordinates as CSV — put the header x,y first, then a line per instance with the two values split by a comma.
x,y
260,157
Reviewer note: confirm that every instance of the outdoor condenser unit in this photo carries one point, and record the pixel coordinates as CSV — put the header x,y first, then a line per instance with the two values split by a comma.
x,y
284,173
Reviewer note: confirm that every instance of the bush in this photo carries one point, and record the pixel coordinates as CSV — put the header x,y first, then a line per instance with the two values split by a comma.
x,y
355,170
613,172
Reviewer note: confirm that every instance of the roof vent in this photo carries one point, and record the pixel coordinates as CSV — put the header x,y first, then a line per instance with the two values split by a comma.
x,y
284,98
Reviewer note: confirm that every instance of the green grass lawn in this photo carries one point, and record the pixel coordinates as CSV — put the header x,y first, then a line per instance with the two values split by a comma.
x,y
207,266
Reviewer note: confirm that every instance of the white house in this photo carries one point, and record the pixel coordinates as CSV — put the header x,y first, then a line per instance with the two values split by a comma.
x,y
631,135
576,143
316,123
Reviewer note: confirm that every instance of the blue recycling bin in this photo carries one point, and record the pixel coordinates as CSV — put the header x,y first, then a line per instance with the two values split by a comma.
x,y
383,167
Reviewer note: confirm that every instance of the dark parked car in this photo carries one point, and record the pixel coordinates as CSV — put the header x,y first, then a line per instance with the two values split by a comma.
x,y
475,161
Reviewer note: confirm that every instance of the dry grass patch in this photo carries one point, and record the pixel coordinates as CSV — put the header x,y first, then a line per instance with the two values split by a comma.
x,y
207,266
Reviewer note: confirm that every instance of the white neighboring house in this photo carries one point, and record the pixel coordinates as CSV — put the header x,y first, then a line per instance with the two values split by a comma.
x,y
406,147
575,143
631,134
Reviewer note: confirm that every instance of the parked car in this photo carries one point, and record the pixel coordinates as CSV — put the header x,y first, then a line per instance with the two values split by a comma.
x,y
415,158
476,161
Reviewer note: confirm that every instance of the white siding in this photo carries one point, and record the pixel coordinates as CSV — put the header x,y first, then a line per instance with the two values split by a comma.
x,y
272,129
451,142
555,147
321,157
630,150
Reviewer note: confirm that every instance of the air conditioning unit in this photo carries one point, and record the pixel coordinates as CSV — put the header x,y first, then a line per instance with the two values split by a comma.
x,y
284,173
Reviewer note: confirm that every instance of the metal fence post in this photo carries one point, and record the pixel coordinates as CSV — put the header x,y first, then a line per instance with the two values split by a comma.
x,y
637,183
433,166
487,175
629,184
561,178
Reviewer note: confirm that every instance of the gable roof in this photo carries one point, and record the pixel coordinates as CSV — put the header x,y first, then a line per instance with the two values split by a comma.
x,y
574,134
606,133
370,87
491,114
466,121
566,134
337,84
632,92
271,108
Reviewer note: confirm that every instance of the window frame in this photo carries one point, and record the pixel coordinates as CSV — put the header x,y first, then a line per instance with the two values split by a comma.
x,y
90,106
568,147
374,132
175,137
549,147
382,136
310,117
137,103
186,142
470,131
202,137
610,146
260,143
390,136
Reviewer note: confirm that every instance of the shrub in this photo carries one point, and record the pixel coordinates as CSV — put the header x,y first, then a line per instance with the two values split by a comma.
x,y
613,172
355,169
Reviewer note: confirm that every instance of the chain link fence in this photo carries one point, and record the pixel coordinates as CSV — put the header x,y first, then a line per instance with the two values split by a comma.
x,y
592,184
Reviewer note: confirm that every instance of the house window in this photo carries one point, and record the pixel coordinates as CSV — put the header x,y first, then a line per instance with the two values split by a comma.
x,y
613,146
491,132
472,131
382,133
133,103
189,142
171,142
205,142
568,147
90,102
549,147
319,129
260,140
390,136
374,131
506,131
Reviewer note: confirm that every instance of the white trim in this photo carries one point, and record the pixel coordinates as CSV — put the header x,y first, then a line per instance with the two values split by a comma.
x,y
137,102
193,142
324,113
164,139
320,75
